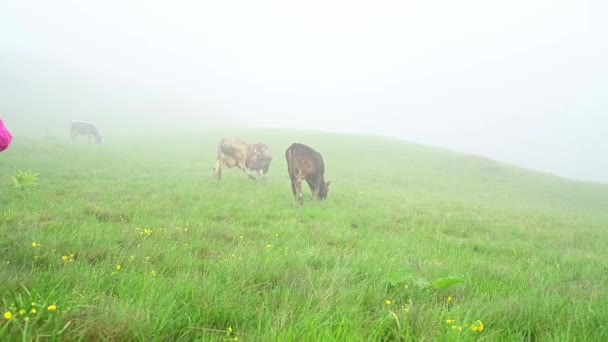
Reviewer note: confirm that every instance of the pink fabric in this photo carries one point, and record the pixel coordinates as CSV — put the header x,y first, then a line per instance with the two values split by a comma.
x,y
5,137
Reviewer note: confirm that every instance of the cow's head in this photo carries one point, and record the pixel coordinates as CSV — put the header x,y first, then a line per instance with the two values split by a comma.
x,y
261,156
324,190
262,151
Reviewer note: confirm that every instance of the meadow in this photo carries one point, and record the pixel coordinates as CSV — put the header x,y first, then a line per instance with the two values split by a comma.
x,y
135,240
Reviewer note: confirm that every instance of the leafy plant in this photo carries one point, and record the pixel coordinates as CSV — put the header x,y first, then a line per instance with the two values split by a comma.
x,y
446,282
400,276
25,179
406,274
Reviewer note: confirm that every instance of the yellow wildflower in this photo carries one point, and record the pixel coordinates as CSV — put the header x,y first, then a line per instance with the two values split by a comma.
x,y
459,328
22,312
26,319
36,244
64,258
33,311
478,326
147,258
388,302
34,304
118,267
242,237
450,321
8,315
153,273
269,246
229,330
449,299
52,307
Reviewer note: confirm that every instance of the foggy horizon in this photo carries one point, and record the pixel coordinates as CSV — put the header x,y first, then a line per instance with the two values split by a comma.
x,y
521,82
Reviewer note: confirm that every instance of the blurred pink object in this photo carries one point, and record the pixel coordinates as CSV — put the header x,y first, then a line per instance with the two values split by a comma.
x,y
5,137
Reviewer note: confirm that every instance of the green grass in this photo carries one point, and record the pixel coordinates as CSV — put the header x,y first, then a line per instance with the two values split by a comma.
x,y
239,254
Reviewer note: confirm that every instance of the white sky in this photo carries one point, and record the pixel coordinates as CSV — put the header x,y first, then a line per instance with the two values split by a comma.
x,y
524,82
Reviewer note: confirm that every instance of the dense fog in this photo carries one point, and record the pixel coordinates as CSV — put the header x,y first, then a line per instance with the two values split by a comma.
x,y
523,82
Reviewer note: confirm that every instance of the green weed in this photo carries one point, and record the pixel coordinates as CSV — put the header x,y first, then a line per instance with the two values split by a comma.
x,y
24,180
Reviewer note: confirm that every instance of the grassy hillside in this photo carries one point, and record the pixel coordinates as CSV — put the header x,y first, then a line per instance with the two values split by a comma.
x,y
136,240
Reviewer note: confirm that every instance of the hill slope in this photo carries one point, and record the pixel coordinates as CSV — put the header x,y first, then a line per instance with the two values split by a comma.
x,y
138,241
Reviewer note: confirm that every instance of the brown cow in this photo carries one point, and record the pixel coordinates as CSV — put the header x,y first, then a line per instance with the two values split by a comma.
x,y
247,157
304,163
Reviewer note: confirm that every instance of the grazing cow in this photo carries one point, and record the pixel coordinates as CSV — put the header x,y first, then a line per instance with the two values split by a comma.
x,y
85,128
304,163
247,157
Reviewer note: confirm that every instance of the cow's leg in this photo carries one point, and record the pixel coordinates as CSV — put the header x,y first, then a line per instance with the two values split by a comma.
x,y
217,170
292,177
246,170
293,185
298,185
312,189
262,173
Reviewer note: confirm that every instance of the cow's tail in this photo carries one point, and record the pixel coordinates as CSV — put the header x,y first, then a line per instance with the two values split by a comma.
x,y
217,170
288,158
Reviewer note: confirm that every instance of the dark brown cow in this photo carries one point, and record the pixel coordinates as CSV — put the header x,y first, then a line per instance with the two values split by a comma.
x,y
304,163
247,157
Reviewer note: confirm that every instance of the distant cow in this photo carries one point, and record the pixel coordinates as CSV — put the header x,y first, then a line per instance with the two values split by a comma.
x,y
247,157
85,128
304,163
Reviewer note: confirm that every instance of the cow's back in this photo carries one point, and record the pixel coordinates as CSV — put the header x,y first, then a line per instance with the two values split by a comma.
x,y
84,127
304,159
233,148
